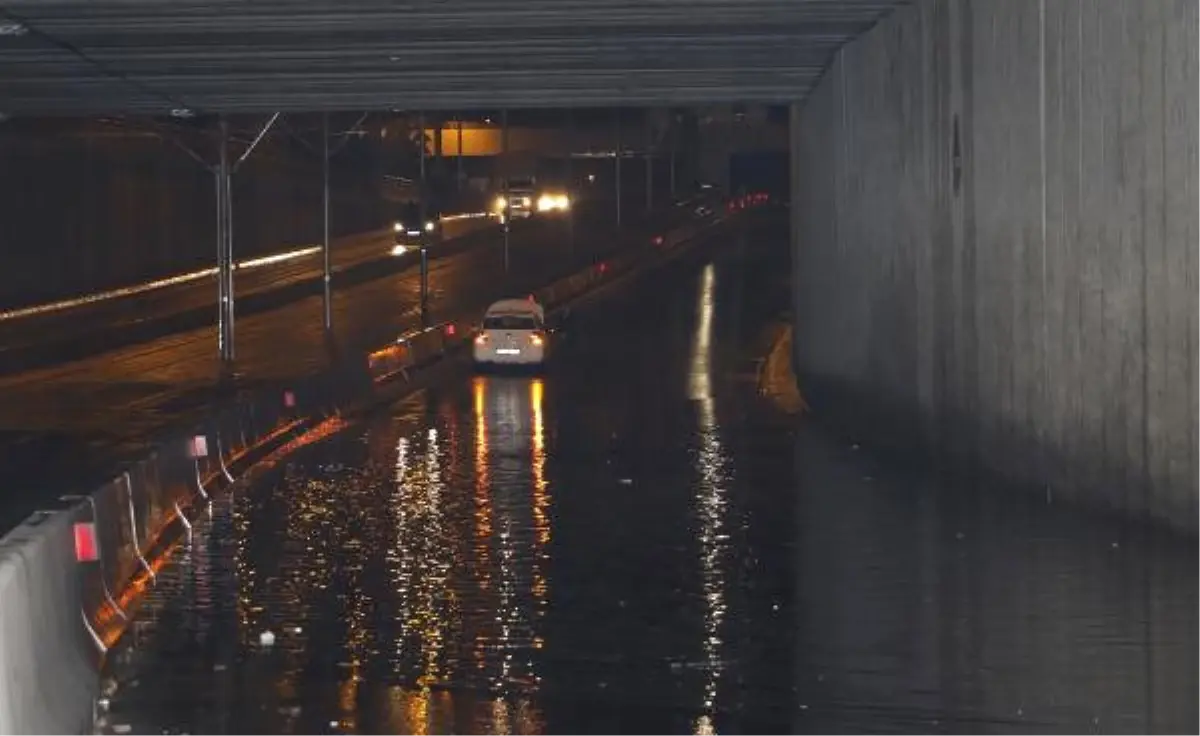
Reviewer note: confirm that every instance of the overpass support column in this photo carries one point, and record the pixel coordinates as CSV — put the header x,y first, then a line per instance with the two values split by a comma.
x,y
674,133
649,163
326,275
224,172
459,158
617,166
224,250
424,272
504,162
571,182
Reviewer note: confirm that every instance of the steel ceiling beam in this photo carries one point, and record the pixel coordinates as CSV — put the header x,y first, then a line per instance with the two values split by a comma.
x,y
86,57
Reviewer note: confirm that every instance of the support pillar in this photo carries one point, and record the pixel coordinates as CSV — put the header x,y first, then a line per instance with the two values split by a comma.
x,y
224,172
617,167
674,152
225,336
459,175
649,164
571,188
424,237
504,166
326,271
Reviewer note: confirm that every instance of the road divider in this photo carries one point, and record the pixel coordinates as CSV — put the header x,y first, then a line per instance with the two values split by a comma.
x,y
73,575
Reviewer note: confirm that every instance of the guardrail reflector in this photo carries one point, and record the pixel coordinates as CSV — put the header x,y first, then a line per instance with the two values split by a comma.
x,y
289,399
85,542
198,447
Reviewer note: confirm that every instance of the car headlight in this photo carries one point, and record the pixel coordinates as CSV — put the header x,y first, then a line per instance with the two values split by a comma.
x,y
399,250
551,202
398,227
429,226
501,203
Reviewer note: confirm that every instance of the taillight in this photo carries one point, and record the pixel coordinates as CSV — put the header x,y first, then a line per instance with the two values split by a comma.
x,y
481,338
536,339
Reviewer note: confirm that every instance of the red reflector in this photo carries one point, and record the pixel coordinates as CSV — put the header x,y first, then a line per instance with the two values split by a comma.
x,y
85,542
289,399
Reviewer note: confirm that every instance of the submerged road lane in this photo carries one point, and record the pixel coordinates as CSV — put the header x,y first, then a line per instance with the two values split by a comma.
x,y
636,542
507,554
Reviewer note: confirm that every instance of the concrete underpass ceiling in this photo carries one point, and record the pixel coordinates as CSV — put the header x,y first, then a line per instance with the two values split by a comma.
x,y
153,57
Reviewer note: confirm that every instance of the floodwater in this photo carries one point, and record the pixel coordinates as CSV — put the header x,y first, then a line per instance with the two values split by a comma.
x,y
637,542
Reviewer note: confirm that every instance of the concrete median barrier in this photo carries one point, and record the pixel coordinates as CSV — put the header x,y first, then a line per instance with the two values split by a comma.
x,y
71,578
48,679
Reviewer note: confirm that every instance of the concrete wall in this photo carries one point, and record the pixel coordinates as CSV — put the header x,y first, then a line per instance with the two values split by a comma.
x,y
995,238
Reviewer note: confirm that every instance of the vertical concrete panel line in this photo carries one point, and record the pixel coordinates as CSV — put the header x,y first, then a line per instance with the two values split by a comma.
x,y
838,179
133,525
1043,195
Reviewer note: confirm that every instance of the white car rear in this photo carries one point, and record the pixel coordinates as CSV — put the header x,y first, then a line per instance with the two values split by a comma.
x,y
513,334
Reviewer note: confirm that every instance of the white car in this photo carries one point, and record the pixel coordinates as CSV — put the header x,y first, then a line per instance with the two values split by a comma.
x,y
513,334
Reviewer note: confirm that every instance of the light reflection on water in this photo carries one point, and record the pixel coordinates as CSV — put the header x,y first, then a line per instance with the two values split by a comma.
x,y
713,470
430,560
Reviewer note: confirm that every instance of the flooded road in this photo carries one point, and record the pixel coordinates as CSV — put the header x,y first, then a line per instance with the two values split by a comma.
x,y
636,542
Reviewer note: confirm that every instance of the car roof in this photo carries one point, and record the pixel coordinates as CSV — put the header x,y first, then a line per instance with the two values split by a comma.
x,y
515,306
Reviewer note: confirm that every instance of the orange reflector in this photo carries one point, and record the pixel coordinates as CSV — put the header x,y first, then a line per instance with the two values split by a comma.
x,y
85,542
289,399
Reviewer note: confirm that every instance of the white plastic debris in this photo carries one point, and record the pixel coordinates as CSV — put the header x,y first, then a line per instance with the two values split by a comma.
x,y
267,639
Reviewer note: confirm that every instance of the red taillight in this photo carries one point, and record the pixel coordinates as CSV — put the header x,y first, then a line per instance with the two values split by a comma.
x,y
450,329
658,240
603,267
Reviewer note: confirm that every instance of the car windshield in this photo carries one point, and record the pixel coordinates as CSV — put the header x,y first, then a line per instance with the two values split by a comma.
x,y
510,322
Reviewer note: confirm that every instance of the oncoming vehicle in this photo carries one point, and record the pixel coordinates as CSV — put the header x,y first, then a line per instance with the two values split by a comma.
x,y
408,238
513,334
520,200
